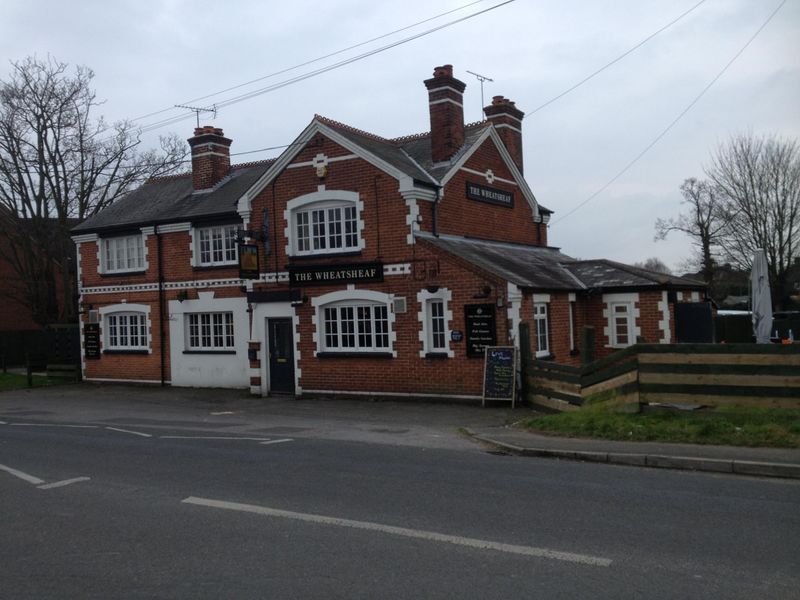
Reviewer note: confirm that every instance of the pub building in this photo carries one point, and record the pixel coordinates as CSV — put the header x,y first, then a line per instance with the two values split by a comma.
x,y
351,264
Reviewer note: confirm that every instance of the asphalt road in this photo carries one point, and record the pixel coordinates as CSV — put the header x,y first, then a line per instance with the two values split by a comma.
x,y
120,511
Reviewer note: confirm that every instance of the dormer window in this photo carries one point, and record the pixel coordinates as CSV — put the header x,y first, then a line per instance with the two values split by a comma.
x,y
324,223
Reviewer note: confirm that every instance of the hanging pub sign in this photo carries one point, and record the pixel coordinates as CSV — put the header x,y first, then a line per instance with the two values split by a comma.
x,y
480,328
484,193
335,274
91,340
248,261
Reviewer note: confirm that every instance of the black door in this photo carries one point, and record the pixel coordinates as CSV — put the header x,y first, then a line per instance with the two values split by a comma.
x,y
694,323
281,359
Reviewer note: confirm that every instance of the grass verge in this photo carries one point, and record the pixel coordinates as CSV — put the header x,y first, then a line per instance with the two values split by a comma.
x,y
728,426
14,381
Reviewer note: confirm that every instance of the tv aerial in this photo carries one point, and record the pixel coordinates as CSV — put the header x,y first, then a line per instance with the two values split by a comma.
x,y
198,109
481,78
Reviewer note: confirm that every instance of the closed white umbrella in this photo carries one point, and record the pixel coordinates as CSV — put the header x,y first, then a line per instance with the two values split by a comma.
x,y
761,298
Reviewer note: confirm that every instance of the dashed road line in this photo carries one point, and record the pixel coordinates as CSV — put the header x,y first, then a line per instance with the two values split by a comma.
x,y
129,431
57,484
3,423
433,536
21,475
276,441
211,437
53,425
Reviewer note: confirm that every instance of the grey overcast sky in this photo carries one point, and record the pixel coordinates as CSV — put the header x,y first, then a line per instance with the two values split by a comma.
x,y
151,54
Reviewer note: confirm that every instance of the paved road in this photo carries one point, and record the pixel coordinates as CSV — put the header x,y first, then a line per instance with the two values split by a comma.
x,y
161,510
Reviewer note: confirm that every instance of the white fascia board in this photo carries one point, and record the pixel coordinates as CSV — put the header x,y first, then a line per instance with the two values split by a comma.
x,y
509,162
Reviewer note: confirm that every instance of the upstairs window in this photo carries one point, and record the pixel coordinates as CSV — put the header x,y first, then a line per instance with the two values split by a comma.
x,y
217,245
324,223
124,253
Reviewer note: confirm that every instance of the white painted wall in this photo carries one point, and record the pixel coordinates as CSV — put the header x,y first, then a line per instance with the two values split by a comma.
x,y
209,370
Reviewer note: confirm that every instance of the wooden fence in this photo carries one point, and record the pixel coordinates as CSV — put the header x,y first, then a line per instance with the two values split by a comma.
x,y
707,374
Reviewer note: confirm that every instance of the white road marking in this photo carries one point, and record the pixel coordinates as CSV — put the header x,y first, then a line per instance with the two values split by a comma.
x,y
129,431
57,484
53,425
210,437
276,441
402,531
3,423
222,412
21,475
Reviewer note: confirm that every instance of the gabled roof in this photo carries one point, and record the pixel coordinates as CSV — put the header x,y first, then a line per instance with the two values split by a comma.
x,y
548,269
529,267
172,199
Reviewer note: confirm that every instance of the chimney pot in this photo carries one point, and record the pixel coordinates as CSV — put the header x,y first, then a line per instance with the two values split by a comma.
x,y
507,119
211,156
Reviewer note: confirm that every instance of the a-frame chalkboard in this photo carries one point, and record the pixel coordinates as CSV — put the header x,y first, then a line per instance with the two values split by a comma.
x,y
499,374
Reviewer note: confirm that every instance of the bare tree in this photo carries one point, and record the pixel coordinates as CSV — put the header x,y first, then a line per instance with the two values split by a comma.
x,y
58,166
759,180
654,264
703,223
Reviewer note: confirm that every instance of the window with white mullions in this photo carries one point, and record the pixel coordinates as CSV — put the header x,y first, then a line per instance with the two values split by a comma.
x,y
542,329
435,319
621,320
210,331
124,253
217,245
126,331
326,227
361,327
437,325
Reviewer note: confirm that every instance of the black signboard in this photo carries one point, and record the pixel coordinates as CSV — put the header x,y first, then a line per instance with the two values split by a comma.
x,y
248,261
492,195
499,374
335,274
91,340
480,326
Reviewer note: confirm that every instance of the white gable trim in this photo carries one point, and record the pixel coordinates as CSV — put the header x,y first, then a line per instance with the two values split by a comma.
x,y
490,132
244,204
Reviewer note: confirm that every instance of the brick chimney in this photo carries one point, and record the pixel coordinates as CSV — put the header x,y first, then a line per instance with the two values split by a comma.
x,y
507,120
211,157
446,102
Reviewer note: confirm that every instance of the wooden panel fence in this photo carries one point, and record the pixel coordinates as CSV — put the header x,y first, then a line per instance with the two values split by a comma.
x,y
706,374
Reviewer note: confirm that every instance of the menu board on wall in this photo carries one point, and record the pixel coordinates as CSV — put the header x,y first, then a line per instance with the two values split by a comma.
x,y
91,340
481,330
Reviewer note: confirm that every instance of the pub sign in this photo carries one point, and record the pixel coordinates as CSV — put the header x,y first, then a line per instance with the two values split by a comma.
x,y
248,261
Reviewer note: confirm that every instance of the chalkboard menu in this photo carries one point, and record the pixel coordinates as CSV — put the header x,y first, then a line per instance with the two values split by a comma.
x,y
91,340
499,374
480,326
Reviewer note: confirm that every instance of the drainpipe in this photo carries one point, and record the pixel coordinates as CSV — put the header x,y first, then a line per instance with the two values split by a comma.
x,y
162,335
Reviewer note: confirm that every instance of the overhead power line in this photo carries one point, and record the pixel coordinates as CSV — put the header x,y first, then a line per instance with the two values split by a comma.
x,y
616,60
675,120
313,60
321,70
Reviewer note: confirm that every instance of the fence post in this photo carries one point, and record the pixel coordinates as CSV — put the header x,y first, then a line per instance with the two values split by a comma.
x,y
587,344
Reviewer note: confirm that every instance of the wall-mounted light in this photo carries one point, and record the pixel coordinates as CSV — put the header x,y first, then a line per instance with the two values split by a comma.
x,y
183,295
484,292
432,289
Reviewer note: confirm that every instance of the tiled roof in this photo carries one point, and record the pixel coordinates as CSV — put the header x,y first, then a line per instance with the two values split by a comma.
x,y
171,199
548,269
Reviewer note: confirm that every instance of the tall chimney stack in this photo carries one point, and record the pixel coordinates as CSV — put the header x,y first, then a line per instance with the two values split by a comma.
x,y
211,157
446,102
507,120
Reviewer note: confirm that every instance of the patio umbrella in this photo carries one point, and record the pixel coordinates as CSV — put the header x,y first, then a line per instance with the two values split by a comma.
x,y
761,298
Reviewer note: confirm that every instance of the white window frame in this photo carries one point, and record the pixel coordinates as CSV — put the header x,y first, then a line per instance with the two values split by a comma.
x,y
631,315
210,331
354,322
324,222
541,320
428,330
113,318
216,245
128,249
